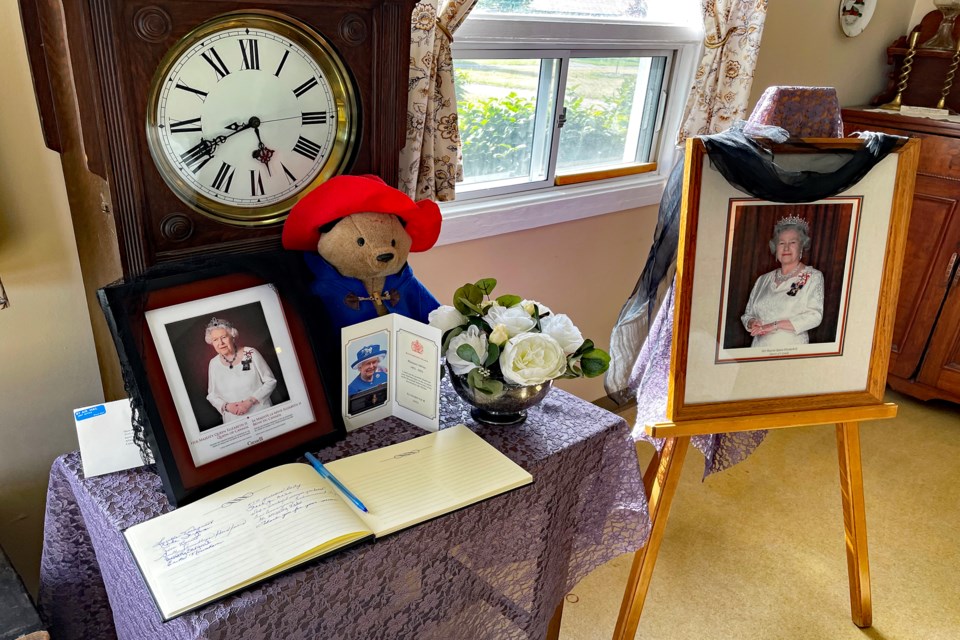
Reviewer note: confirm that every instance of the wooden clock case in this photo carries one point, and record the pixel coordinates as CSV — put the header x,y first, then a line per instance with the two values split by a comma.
x,y
92,62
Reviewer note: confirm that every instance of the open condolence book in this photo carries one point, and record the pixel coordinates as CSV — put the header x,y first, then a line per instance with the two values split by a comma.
x,y
290,514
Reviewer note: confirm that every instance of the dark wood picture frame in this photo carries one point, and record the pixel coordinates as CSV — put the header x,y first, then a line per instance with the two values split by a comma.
x,y
125,306
696,206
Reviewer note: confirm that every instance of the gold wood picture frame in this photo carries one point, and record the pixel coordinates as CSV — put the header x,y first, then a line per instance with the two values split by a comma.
x,y
833,356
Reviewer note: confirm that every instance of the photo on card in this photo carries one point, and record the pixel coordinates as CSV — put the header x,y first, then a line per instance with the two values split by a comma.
x,y
367,370
786,278
390,367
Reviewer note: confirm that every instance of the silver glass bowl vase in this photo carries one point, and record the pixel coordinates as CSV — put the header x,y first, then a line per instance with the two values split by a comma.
x,y
509,408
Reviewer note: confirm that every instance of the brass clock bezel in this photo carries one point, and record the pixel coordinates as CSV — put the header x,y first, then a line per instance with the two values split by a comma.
x,y
341,85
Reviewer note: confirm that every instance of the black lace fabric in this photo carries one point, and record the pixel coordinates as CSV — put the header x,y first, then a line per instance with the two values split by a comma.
x,y
753,168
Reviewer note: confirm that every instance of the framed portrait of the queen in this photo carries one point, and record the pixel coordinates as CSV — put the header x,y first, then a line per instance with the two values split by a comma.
x,y
787,305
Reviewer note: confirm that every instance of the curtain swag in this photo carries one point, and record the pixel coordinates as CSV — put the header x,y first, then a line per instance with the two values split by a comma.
x,y
721,89
431,161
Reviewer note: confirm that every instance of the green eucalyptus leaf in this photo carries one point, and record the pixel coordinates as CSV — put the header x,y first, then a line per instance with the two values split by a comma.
x,y
582,349
469,354
479,323
475,379
594,362
469,293
450,335
493,354
508,300
486,285
473,307
493,387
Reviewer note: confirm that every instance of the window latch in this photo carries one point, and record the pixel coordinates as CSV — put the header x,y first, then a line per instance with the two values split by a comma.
x,y
562,120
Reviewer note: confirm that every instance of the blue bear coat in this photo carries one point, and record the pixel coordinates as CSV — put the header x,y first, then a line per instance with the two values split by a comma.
x,y
333,289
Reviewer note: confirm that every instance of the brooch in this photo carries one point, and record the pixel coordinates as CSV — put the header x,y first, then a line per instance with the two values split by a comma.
x,y
798,284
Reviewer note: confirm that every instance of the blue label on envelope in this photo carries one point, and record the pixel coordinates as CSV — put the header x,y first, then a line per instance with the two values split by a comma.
x,y
89,412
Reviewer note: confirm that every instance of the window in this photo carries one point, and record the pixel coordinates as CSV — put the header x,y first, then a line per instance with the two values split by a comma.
x,y
560,100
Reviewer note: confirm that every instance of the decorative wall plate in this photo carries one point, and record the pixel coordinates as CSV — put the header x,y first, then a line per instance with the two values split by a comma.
x,y
855,15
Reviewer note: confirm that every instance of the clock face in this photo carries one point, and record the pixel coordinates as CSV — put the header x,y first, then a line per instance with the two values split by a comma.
x,y
247,113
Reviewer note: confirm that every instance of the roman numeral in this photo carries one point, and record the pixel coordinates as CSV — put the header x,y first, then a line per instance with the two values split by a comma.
x,y
201,94
283,61
256,183
224,177
185,126
314,117
216,62
251,53
292,178
306,86
196,157
307,148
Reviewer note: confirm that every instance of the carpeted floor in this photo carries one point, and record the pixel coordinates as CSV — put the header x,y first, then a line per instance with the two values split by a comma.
x,y
757,552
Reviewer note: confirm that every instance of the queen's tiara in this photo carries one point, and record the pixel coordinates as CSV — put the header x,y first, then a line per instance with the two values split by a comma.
x,y
796,221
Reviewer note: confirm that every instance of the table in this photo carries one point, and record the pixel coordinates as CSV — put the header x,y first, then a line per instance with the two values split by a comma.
x,y
494,570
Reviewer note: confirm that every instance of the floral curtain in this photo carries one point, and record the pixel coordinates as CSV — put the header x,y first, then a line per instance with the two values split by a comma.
x,y
431,161
721,87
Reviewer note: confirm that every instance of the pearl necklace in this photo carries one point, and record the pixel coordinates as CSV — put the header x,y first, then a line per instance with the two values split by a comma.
x,y
779,278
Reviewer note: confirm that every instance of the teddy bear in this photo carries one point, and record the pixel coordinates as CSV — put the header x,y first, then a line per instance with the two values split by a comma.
x,y
356,232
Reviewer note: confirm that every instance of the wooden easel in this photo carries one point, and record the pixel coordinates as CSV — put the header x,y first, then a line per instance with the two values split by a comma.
x,y
663,475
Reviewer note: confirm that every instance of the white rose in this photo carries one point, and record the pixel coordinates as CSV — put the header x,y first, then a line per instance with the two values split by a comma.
x,y
445,318
499,335
514,319
528,307
473,337
532,358
562,329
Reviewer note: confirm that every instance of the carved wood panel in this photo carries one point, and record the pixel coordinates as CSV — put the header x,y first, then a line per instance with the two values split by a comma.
x,y
115,47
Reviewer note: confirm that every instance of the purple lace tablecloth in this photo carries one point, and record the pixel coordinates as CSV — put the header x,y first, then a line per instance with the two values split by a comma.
x,y
494,570
651,378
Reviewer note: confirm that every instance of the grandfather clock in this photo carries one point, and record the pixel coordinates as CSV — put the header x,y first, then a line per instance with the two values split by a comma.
x,y
191,127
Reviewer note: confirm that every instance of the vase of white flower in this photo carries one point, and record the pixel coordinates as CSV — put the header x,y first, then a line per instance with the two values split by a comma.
x,y
505,408
504,353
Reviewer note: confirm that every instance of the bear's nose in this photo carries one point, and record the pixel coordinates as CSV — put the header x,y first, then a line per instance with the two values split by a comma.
x,y
385,257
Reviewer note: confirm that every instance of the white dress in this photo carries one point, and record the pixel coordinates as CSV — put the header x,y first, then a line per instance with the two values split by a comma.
x,y
798,299
226,384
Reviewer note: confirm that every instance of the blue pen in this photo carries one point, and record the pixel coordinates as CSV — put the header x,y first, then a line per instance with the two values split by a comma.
x,y
322,470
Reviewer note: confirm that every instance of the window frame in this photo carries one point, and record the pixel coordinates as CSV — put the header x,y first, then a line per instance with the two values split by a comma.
x,y
489,36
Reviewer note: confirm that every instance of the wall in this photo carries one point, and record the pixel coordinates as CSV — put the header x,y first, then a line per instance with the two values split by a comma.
x,y
803,45
47,361
922,8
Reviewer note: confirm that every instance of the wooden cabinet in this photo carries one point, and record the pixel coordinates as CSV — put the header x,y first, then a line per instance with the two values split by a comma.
x,y
925,358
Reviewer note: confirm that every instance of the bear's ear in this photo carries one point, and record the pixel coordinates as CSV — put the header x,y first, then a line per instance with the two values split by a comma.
x,y
327,227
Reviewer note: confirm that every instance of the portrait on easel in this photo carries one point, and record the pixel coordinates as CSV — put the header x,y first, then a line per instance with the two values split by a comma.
x,y
784,305
786,279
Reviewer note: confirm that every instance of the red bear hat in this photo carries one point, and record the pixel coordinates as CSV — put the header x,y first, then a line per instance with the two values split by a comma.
x,y
342,196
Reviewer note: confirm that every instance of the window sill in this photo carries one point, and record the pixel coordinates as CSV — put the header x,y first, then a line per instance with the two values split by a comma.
x,y
485,217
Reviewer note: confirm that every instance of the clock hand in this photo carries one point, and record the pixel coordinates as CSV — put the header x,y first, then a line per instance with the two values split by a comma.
x,y
235,128
262,153
279,119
